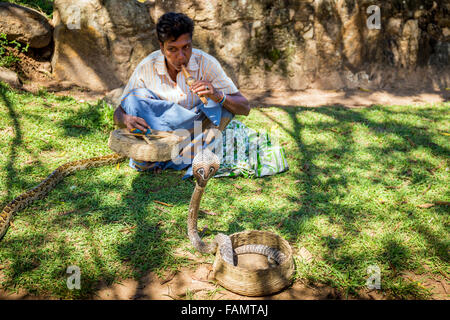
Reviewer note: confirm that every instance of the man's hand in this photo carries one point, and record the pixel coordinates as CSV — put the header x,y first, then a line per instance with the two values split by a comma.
x,y
236,103
206,89
130,122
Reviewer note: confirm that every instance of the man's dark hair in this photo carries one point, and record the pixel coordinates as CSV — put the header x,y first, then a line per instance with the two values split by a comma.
x,y
171,25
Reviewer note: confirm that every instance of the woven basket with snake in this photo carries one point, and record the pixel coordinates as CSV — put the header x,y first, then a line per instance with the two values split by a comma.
x,y
226,271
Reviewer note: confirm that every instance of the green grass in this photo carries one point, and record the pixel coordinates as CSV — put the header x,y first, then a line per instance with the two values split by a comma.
x,y
351,197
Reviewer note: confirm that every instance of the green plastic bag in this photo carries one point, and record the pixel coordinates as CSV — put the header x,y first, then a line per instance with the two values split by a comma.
x,y
244,151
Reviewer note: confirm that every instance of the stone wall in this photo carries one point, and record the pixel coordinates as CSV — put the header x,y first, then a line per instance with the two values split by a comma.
x,y
98,43
262,44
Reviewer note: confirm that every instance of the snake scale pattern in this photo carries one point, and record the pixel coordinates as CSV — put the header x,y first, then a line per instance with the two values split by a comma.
x,y
49,183
204,166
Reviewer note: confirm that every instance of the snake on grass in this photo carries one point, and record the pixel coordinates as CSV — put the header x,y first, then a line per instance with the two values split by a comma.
x,y
41,190
204,166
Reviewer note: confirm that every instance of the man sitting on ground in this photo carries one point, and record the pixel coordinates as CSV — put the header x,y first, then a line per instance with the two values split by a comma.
x,y
157,96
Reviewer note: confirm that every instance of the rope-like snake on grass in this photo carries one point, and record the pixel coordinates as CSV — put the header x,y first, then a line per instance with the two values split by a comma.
x,y
49,183
204,166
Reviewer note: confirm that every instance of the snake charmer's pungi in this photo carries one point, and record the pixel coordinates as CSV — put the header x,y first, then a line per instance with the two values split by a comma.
x,y
157,96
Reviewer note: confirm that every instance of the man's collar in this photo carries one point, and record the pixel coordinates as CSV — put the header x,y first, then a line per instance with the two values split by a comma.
x,y
162,68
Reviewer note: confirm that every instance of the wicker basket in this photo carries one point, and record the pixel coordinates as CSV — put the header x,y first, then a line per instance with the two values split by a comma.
x,y
159,145
158,148
259,282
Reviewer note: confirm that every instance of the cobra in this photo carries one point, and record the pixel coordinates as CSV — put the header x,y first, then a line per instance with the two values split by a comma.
x,y
204,166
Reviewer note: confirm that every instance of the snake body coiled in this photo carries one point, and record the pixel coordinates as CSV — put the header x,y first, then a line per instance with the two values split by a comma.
x,y
204,166
49,183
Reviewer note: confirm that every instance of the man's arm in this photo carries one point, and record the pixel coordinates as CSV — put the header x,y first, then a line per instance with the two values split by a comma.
x,y
124,120
236,103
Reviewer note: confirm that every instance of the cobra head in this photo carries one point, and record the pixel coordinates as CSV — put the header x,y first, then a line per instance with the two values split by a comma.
x,y
204,166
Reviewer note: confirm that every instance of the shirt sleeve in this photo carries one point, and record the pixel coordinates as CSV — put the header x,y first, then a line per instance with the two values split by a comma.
x,y
217,76
139,79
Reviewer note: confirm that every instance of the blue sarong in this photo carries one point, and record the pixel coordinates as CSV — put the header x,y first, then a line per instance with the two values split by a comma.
x,y
168,116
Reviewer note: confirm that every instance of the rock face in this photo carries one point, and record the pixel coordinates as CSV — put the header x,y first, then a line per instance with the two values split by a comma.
x,y
9,77
326,44
98,43
24,25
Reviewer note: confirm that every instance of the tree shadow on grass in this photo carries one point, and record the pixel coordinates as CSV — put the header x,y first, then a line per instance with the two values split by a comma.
x,y
151,242
17,140
88,121
412,137
148,248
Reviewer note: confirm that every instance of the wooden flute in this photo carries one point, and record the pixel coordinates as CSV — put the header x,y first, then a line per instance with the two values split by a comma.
x,y
190,80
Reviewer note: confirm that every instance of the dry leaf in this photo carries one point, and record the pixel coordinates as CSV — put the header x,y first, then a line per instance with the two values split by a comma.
x,y
426,205
411,142
161,209
127,229
305,255
79,211
280,223
426,190
208,212
163,203
237,186
168,278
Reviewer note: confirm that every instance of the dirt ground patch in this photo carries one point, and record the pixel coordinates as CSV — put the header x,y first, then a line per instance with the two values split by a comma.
x,y
352,98
196,282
